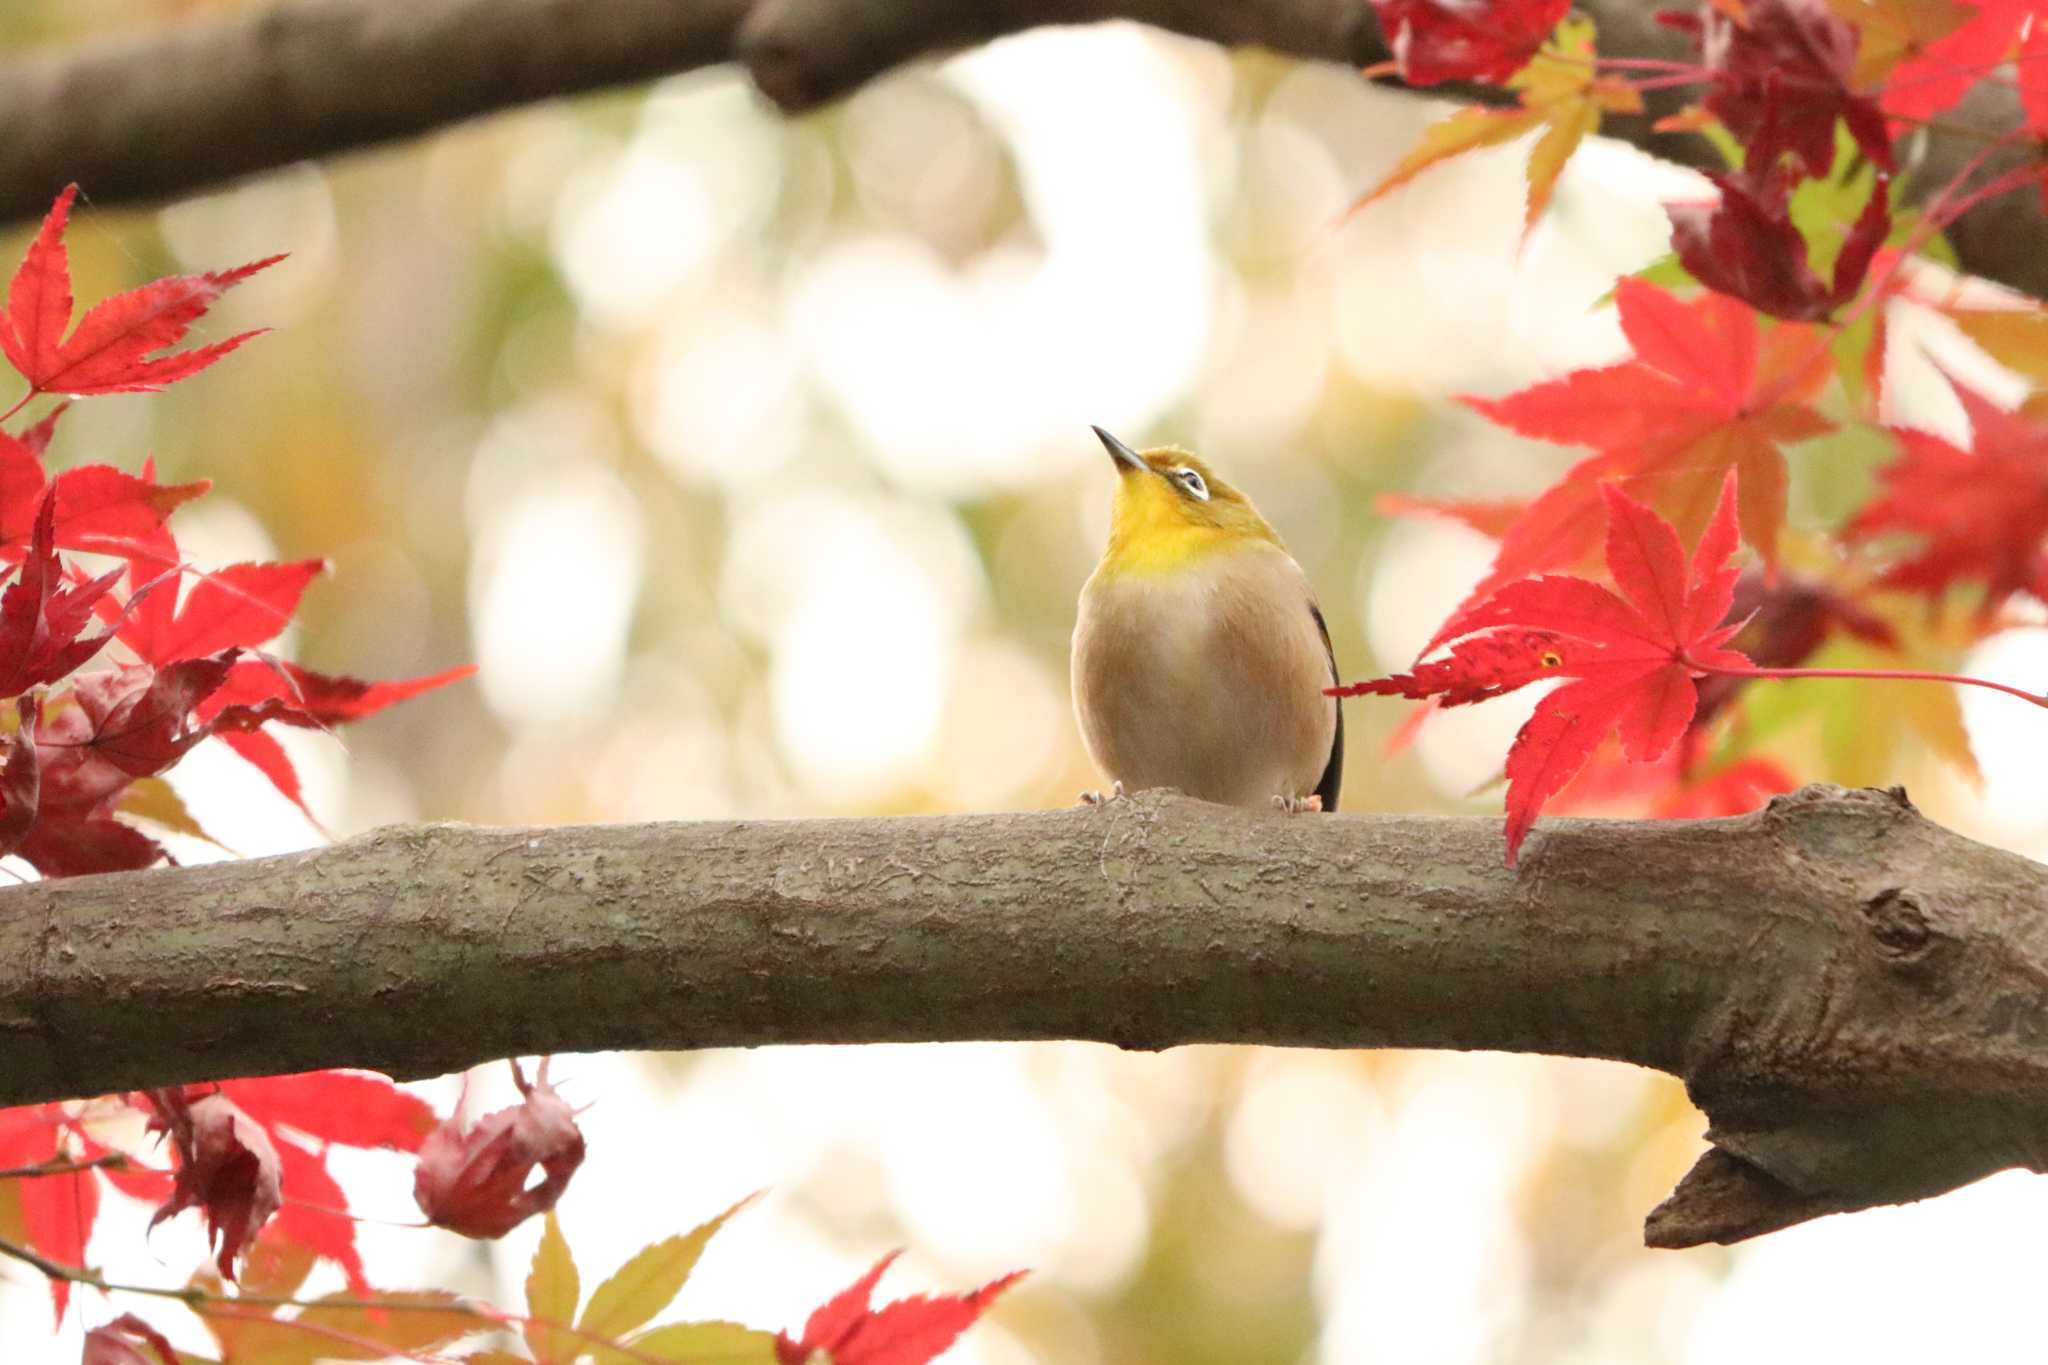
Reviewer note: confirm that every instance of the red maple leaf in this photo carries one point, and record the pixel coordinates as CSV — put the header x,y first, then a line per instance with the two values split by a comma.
x,y
123,1342
354,1108
1745,245
129,722
227,1167
101,733
240,606
274,689
41,617
79,843
20,778
110,350
1490,517
1981,515
21,460
1466,40
320,700
304,1114
1632,657
1935,75
1734,790
112,726
846,1331
1781,77
1707,393
99,507
57,1211
473,1180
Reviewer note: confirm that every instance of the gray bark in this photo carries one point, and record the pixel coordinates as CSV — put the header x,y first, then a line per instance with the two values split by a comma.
x,y
191,107
1854,995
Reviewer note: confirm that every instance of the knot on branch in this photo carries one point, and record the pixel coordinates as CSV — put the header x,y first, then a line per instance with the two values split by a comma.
x,y
1825,821
1828,796
1899,923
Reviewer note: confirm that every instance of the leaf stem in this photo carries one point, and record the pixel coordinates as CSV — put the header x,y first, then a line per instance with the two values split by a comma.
x,y
1881,674
192,1296
1649,64
202,1301
112,1160
1670,82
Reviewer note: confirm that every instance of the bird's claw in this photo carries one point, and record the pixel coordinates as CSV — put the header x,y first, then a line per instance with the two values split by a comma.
x,y
1299,805
1115,793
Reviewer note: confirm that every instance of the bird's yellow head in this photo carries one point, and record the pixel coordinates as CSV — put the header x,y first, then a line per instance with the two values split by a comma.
x,y
1170,510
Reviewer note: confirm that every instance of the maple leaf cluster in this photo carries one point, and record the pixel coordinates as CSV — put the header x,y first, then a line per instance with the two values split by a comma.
x,y
1693,436
179,658
96,577
236,1148
186,660
1632,658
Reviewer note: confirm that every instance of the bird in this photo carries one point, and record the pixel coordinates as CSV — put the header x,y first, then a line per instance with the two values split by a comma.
x,y
1199,655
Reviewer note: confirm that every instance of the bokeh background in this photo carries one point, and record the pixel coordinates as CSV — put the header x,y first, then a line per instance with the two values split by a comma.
x,y
750,459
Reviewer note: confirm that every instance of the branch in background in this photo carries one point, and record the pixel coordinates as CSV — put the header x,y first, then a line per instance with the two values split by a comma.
x,y
188,108
1852,993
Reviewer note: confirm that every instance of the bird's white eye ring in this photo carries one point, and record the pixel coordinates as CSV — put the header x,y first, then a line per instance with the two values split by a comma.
x,y
1192,481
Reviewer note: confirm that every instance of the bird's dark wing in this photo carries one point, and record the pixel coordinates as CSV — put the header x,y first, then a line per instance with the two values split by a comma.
x,y
1333,775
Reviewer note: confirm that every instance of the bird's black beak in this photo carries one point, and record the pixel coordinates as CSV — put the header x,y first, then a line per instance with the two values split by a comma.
x,y
1121,453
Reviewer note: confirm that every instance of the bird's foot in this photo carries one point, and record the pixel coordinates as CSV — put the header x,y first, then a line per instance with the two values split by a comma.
x,y
1115,793
1299,805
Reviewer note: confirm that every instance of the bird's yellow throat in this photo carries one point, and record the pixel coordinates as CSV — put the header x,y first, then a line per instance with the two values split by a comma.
x,y
1153,529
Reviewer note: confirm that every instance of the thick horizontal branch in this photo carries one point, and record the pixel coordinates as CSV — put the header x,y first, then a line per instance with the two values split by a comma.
x,y
168,113
1857,997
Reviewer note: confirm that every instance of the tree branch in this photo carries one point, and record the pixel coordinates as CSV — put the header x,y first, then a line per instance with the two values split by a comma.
x,y
1853,994
191,107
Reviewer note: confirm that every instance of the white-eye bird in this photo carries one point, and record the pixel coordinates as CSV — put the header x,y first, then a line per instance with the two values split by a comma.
x,y
1200,656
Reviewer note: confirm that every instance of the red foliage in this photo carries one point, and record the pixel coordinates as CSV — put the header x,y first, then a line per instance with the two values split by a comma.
x,y
1733,790
90,736
110,350
1489,517
40,618
1478,669
1466,40
84,738
1780,78
1936,74
20,778
238,607
1785,620
226,1167
111,728
846,1331
1745,245
473,1180
267,690
127,1340
1708,392
304,1115
57,1211
1633,657
99,508
1980,515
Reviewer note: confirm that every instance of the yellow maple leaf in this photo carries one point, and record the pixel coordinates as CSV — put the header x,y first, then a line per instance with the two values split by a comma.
x,y
1893,31
2017,339
1561,92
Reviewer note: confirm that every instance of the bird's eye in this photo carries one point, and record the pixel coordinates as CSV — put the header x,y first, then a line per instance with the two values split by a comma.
x,y
1192,481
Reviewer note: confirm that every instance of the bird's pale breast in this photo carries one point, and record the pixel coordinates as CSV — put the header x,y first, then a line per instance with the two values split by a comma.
x,y
1208,678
